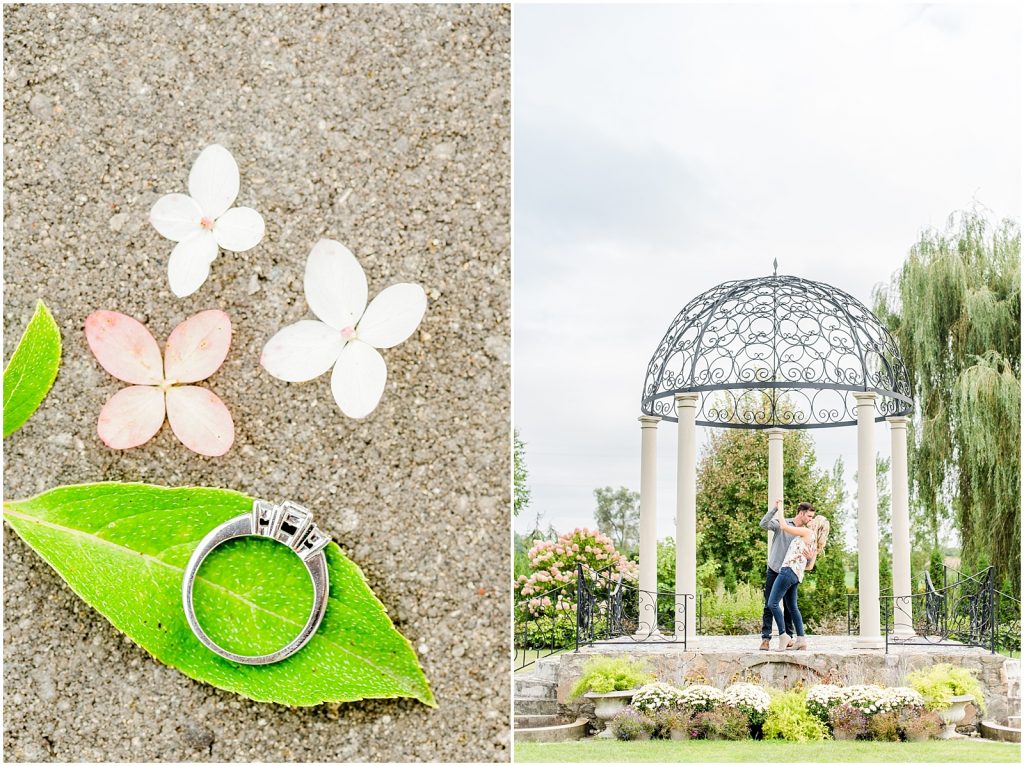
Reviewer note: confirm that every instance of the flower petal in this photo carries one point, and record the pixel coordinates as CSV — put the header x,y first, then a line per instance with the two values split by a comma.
x,y
200,420
358,379
335,284
197,347
190,261
124,347
131,417
176,216
393,315
239,229
213,180
302,351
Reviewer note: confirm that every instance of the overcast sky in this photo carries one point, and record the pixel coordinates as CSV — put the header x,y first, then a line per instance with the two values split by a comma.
x,y
661,150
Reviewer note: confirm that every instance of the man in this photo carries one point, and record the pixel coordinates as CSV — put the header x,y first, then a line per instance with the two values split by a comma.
x,y
776,553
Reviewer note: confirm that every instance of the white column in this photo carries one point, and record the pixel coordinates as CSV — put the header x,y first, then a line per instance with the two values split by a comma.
x,y
686,516
774,469
903,626
648,618
867,524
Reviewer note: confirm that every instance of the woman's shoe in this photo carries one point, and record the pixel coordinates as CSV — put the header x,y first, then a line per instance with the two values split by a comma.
x,y
784,642
800,643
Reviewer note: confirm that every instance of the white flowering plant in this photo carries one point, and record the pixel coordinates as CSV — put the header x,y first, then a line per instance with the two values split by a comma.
x,y
865,697
749,699
701,698
902,698
656,696
822,698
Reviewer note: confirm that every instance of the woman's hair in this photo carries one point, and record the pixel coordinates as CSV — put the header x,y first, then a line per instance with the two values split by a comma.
x,y
821,528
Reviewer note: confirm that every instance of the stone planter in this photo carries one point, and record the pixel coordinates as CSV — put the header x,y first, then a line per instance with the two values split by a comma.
x,y
954,714
607,705
843,734
679,734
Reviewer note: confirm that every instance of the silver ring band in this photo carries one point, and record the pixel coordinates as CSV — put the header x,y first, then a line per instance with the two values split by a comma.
x,y
288,523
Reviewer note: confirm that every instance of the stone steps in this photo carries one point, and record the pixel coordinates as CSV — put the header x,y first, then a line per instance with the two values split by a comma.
x,y
535,706
557,733
534,688
535,721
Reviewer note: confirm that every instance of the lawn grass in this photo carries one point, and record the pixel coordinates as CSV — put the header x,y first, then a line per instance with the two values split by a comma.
x,y
934,751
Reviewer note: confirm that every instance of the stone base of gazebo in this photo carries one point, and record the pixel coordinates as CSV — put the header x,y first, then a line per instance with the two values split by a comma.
x,y
723,660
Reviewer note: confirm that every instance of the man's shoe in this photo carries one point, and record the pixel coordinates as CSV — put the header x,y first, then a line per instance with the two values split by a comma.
x,y
784,642
800,643
765,645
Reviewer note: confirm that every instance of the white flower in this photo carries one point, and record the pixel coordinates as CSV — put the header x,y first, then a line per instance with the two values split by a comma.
x,y
200,221
700,697
747,695
349,332
656,696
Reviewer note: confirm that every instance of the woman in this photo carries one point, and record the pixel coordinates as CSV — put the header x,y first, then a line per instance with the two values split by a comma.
x,y
799,557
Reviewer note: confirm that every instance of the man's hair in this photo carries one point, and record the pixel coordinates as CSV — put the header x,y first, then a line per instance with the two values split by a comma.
x,y
804,507
821,527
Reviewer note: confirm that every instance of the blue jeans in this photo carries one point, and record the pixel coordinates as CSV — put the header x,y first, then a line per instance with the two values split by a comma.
x,y
766,617
784,589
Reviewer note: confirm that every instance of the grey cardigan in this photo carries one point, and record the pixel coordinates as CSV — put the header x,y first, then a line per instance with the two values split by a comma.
x,y
780,540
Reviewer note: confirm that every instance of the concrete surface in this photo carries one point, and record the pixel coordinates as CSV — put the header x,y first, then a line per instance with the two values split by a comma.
x,y
386,128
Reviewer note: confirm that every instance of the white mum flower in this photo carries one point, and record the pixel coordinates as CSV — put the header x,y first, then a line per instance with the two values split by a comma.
x,y
349,332
201,221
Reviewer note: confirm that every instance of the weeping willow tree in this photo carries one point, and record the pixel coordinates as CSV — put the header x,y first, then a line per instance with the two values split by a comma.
x,y
955,311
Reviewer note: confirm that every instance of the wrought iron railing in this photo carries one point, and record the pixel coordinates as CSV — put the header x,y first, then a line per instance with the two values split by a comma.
x,y
610,607
544,624
597,605
964,611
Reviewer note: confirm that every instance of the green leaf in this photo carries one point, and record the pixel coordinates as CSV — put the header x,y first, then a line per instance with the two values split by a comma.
x,y
32,369
123,549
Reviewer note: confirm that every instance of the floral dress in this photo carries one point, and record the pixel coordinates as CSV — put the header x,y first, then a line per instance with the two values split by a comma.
x,y
797,556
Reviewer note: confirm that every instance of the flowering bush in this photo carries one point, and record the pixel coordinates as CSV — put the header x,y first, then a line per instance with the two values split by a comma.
x,y
673,721
721,723
630,724
865,697
848,722
657,696
554,566
884,727
898,698
822,698
700,698
749,699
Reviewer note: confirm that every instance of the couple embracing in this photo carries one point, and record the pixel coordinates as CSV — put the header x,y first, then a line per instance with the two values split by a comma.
x,y
796,544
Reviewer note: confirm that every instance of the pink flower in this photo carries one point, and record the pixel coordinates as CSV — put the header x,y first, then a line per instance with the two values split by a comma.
x,y
195,350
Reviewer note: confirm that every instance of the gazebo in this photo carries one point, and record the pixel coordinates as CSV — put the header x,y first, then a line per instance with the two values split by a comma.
x,y
776,353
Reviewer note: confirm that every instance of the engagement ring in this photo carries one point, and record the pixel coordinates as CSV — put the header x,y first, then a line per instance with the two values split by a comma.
x,y
288,523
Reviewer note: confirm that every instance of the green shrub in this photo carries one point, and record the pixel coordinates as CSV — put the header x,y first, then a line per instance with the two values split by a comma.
x,y
611,674
789,719
630,724
942,681
729,578
732,614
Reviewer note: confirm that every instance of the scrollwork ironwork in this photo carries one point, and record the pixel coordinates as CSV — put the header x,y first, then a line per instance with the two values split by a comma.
x,y
776,352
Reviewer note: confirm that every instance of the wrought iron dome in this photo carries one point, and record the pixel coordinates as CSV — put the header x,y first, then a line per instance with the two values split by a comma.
x,y
776,352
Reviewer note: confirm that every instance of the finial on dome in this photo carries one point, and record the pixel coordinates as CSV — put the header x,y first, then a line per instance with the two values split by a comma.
x,y
775,266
